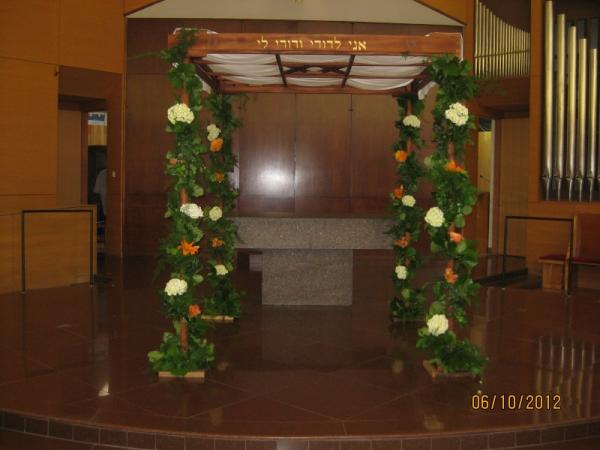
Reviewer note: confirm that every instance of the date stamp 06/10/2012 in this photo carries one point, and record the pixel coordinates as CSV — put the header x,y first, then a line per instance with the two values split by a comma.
x,y
515,402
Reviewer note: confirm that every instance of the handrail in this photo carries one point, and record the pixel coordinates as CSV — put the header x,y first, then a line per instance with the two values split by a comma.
x,y
540,218
24,212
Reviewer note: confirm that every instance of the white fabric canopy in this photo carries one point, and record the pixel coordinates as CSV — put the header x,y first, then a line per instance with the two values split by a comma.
x,y
367,72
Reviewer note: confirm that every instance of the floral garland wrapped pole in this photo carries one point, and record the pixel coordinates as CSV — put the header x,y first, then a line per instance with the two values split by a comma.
x,y
455,198
185,350
224,304
408,217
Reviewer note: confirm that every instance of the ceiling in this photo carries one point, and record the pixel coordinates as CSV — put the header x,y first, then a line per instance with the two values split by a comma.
x,y
377,11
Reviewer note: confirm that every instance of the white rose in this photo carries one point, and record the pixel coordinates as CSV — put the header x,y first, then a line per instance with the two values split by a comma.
x,y
176,286
213,132
408,200
180,113
221,269
437,324
411,121
215,213
191,210
458,114
401,272
435,217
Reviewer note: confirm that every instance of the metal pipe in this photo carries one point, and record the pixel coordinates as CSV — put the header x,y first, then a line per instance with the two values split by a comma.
x,y
571,107
581,116
559,137
592,107
548,104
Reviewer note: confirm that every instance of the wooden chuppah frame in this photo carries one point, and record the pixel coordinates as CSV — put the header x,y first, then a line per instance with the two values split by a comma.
x,y
350,45
209,43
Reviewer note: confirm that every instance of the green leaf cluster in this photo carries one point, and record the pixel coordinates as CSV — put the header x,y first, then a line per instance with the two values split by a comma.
x,y
224,298
408,303
451,353
456,197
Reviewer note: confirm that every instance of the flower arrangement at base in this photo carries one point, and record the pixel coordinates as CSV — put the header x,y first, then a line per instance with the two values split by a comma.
x,y
184,349
454,198
407,304
448,353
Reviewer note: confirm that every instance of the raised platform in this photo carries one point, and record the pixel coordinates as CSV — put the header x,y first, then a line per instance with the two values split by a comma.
x,y
73,368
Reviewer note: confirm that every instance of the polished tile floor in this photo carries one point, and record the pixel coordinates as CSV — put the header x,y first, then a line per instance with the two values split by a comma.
x,y
78,353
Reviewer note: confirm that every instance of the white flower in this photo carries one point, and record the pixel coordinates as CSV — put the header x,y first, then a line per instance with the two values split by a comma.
x,y
221,269
401,272
437,324
176,286
411,121
458,114
435,217
213,132
180,113
191,210
408,200
215,213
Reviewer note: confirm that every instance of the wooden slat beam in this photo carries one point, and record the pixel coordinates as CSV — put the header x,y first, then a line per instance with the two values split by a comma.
x,y
341,76
205,73
296,65
242,88
281,69
348,70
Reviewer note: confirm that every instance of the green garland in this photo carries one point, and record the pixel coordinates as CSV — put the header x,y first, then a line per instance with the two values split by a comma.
x,y
455,198
225,300
185,349
408,305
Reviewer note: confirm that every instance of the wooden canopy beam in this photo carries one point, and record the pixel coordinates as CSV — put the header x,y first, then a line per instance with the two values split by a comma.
x,y
233,88
341,44
347,74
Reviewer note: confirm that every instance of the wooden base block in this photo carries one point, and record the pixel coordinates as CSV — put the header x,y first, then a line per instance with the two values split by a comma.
x,y
196,375
438,375
221,319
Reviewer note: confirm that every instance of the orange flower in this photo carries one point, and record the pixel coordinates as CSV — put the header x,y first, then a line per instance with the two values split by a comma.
x,y
219,177
401,155
403,241
188,248
455,237
194,310
451,166
216,145
216,242
399,192
450,276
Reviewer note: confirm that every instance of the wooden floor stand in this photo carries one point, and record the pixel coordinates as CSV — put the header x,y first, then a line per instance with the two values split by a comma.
x,y
196,375
220,319
438,375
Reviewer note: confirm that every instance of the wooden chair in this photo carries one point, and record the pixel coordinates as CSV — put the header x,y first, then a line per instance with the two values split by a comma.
x,y
586,252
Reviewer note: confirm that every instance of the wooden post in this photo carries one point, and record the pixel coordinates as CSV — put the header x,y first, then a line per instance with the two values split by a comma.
x,y
183,335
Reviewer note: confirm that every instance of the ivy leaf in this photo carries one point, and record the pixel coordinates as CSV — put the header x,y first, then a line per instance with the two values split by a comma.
x,y
406,293
197,191
460,221
198,278
461,247
168,213
435,248
467,210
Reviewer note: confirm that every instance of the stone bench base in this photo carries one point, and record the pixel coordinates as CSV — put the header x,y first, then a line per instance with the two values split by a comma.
x,y
307,277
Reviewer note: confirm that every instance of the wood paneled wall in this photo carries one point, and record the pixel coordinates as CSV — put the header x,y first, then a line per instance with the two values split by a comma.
x,y
37,37
69,158
303,154
514,176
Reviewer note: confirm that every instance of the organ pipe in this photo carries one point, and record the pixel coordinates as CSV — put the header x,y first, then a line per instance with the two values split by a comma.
x,y
548,103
